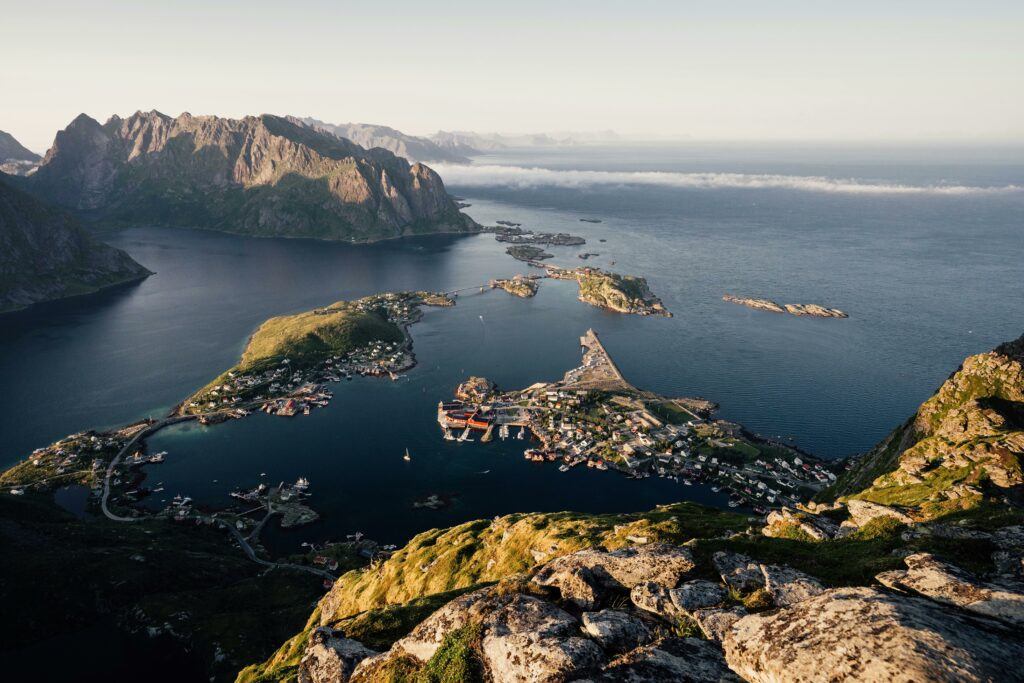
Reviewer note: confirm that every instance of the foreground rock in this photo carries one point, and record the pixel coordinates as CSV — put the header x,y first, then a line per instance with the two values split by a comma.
x,y
738,571
330,658
941,581
866,634
788,586
585,577
673,659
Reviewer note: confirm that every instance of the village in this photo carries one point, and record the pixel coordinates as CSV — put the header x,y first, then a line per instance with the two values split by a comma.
x,y
594,418
288,387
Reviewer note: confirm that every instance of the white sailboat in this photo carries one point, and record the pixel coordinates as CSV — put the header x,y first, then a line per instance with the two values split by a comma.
x,y
448,436
521,433
406,457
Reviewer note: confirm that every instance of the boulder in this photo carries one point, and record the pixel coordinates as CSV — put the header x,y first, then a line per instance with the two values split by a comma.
x,y
330,658
715,622
863,511
738,571
697,594
535,658
615,630
498,614
817,527
656,599
688,660
584,576
787,586
946,583
867,634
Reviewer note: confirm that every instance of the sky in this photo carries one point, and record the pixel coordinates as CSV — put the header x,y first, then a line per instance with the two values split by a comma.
x,y
730,70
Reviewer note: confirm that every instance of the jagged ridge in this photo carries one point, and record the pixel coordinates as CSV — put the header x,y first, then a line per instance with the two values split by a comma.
x,y
260,175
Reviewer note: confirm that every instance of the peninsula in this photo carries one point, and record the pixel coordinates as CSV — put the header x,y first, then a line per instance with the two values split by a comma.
x,y
812,310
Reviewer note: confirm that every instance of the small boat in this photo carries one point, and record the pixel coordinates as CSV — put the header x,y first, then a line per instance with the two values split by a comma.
x,y
521,432
503,431
448,436
305,411
406,457
302,484
17,492
563,468
158,489
484,472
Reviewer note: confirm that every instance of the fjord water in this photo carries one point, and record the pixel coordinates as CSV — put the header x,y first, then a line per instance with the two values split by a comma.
x,y
927,277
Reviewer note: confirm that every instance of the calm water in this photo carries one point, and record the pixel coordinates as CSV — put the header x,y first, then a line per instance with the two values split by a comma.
x,y
927,277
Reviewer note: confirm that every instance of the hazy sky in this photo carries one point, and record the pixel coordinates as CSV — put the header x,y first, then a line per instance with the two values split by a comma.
x,y
776,69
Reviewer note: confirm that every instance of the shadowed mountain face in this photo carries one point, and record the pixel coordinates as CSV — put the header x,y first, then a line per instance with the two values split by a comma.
x,y
44,255
369,136
12,149
261,175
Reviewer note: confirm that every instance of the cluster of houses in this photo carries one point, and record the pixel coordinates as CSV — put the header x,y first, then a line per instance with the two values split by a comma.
x,y
621,431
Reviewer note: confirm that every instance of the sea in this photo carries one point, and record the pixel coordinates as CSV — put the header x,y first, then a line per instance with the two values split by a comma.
x,y
921,245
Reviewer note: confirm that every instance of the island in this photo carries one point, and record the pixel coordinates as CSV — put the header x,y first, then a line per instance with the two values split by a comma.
x,y
812,310
523,286
590,220
527,253
612,291
594,417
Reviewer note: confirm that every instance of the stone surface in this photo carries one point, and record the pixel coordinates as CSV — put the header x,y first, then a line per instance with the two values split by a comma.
x,y
817,527
946,583
867,634
656,599
615,630
331,658
698,594
585,572
498,614
863,511
738,571
535,658
715,622
686,660
788,586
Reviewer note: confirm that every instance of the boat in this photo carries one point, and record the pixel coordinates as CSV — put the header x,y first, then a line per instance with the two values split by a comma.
x,y
302,484
484,472
17,492
305,411
158,489
563,468
521,432
406,457
448,436
503,431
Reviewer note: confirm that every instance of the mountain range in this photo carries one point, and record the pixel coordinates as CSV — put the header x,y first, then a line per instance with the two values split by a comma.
x,y
45,255
15,158
259,175
368,135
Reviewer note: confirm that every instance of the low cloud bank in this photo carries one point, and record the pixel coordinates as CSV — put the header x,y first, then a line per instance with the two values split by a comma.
x,y
517,176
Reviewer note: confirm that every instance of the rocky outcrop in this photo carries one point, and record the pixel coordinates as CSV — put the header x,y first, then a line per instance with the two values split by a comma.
x,y
738,571
779,523
612,291
866,634
584,577
941,581
812,310
330,658
261,175
519,285
863,511
788,586
672,659
715,623
45,255
615,630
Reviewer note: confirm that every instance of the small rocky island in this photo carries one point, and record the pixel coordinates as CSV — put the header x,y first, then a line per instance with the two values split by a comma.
x,y
812,310
527,253
520,285
615,292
